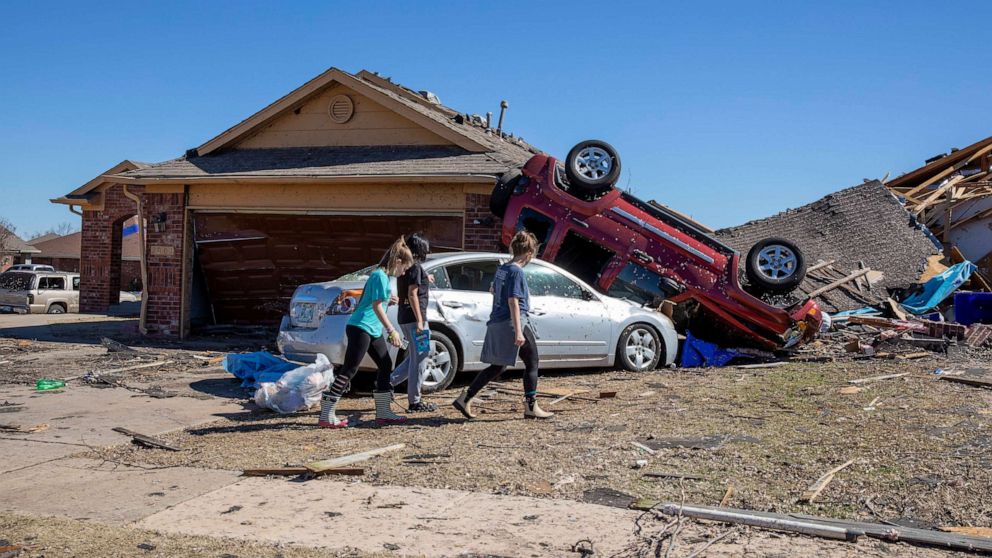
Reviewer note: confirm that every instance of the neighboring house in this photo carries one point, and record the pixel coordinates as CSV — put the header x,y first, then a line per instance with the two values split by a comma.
x,y
13,250
63,253
952,194
317,184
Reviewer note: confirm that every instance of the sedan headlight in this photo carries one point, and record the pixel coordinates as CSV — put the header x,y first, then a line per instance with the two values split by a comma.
x,y
346,302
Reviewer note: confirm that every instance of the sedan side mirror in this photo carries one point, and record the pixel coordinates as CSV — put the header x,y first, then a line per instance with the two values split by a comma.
x,y
586,295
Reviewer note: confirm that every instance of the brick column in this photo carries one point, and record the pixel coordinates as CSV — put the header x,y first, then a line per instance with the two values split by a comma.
x,y
165,216
100,257
482,228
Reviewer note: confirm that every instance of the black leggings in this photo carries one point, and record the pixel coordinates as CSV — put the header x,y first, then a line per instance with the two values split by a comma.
x,y
359,343
528,354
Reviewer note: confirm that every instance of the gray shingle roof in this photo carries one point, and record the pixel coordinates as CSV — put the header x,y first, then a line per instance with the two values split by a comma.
x,y
332,162
863,223
313,162
15,244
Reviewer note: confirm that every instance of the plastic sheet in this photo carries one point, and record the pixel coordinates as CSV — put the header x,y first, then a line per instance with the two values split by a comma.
x,y
697,353
255,368
939,287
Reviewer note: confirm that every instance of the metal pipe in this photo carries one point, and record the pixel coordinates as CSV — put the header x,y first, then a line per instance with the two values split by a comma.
x,y
503,105
72,209
142,261
776,523
489,120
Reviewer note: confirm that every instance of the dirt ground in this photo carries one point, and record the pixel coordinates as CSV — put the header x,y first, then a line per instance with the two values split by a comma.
x,y
755,438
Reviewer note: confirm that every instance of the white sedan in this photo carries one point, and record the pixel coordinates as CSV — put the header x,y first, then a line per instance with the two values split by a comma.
x,y
575,325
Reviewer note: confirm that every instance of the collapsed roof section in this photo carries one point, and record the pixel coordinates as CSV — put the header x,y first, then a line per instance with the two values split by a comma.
x,y
862,226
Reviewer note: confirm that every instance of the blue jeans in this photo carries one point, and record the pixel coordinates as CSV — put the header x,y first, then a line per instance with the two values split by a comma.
x,y
413,366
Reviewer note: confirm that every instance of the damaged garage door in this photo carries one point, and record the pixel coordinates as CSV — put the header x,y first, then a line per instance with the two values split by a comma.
x,y
251,263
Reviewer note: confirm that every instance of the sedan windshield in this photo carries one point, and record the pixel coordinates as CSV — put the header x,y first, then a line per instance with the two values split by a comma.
x,y
360,275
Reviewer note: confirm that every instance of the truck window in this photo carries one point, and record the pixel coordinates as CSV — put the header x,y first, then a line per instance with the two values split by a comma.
x,y
16,281
639,285
540,225
75,283
472,276
583,257
51,283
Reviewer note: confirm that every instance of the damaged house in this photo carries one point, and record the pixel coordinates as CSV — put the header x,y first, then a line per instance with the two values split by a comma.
x,y
315,185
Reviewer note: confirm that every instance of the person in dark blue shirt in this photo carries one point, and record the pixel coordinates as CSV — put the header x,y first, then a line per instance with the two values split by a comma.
x,y
509,331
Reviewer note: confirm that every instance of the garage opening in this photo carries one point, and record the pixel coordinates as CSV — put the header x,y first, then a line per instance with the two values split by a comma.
x,y
247,265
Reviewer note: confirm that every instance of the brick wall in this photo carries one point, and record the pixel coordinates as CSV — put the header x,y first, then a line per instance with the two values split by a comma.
x,y
482,229
100,263
165,216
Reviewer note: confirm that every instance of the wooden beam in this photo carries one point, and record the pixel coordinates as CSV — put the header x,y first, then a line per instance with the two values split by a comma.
x,y
146,440
838,283
345,460
817,266
817,487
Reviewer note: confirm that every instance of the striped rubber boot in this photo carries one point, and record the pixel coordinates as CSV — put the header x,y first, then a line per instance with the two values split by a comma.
x,y
383,413
328,418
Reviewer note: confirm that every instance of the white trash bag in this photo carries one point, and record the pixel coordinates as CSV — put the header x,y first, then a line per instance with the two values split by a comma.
x,y
297,389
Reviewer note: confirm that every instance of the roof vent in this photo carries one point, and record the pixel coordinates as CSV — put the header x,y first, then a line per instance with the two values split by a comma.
x,y
341,109
430,96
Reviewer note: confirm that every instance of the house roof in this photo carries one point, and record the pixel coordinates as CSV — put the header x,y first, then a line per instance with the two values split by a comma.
x,y
79,194
935,167
70,247
15,244
478,151
42,238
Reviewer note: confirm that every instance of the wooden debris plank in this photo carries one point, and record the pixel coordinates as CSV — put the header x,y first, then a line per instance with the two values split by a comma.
x,y
913,356
24,429
818,265
146,440
136,367
344,460
817,487
877,378
280,471
761,365
975,531
661,475
977,381
641,446
838,283
607,394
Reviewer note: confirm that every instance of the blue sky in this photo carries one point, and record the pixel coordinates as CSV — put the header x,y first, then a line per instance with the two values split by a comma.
x,y
727,111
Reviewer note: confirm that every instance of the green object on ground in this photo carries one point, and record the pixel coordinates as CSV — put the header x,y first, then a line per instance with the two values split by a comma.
x,y
46,384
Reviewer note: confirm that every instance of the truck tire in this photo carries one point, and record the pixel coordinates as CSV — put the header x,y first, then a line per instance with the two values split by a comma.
x,y
500,198
592,166
775,265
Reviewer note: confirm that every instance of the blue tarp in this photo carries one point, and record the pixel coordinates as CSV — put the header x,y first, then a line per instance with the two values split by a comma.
x,y
938,288
255,368
858,312
696,353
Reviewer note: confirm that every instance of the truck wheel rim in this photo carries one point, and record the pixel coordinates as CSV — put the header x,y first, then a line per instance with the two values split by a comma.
x,y
438,365
776,262
593,163
641,348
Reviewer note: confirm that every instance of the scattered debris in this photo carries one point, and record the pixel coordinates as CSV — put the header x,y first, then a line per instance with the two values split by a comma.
x,y
115,346
338,462
661,475
727,496
18,429
817,487
145,440
765,520
608,497
877,378
641,446
607,394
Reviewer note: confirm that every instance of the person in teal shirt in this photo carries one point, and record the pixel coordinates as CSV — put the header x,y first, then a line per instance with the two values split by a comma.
x,y
364,333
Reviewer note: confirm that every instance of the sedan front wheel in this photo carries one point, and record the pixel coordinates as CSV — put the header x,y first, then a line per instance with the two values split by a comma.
x,y
442,363
640,348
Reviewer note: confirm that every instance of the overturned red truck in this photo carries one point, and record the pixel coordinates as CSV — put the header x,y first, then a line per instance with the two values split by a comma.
x,y
648,253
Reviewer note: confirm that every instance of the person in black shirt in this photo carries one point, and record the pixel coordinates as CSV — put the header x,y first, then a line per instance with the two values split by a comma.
x,y
414,289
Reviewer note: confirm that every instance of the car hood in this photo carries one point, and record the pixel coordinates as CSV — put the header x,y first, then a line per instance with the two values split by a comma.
x,y
326,291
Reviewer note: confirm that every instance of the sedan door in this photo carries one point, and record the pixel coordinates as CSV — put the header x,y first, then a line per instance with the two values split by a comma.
x,y
572,322
465,302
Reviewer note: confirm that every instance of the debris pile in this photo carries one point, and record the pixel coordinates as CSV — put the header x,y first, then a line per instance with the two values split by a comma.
x,y
861,235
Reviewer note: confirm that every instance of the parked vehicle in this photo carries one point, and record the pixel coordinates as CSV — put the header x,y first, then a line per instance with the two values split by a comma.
x,y
576,326
39,292
31,267
628,248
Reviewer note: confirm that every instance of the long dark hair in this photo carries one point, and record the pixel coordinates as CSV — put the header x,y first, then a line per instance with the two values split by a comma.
x,y
419,247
